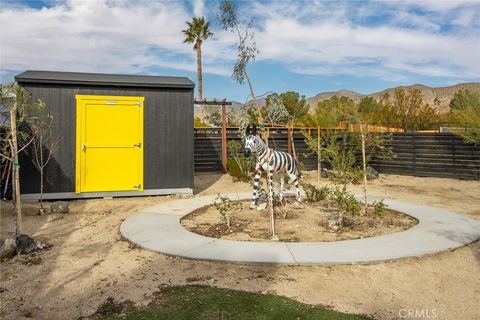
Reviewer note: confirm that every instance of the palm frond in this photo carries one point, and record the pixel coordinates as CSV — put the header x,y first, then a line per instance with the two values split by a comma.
x,y
197,32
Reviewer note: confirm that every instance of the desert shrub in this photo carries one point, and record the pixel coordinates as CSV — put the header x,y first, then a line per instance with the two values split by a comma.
x,y
340,150
234,170
223,205
379,208
314,193
345,201
238,166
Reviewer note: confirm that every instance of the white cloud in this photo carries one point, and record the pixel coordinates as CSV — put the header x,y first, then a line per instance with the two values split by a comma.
x,y
410,20
198,8
101,36
437,5
409,43
313,37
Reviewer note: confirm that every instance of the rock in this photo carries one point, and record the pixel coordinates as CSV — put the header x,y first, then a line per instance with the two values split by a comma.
x,y
298,205
8,249
59,207
334,222
372,174
324,173
25,244
262,206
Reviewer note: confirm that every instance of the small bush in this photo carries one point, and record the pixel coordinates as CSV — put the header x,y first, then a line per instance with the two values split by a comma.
x,y
316,194
238,166
348,175
345,201
235,172
379,208
223,205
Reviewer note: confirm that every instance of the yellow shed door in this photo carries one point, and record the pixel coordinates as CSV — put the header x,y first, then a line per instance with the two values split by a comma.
x,y
109,143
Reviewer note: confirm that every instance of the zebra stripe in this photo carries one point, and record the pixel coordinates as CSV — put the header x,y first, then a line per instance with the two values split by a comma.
x,y
272,162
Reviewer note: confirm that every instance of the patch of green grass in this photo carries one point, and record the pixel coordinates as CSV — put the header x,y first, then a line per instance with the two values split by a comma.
x,y
199,302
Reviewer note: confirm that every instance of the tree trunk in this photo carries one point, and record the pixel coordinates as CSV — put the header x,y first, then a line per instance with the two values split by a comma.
x,y
227,220
362,133
270,204
257,106
319,158
41,166
200,79
17,217
293,144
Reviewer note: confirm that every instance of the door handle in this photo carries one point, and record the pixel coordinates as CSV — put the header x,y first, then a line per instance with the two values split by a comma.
x,y
84,147
137,145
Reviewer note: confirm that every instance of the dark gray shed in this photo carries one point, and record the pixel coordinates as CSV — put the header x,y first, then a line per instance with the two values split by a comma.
x,y
121,135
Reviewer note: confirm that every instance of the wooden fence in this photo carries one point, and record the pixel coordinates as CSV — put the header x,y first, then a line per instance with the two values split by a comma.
x,y
416,154
431,155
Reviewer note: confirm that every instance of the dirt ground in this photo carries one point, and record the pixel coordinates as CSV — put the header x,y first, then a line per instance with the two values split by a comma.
x,y
89,261
294,222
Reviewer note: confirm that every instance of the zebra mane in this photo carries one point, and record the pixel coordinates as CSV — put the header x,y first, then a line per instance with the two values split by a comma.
x,y
260,142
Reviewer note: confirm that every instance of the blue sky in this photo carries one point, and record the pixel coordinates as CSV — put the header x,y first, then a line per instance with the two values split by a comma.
x,y
305,46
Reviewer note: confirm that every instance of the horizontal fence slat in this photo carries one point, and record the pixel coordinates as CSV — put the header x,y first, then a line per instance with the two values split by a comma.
x,y
417,154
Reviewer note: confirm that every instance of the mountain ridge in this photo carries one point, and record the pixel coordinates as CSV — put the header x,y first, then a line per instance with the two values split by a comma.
x,y
443,94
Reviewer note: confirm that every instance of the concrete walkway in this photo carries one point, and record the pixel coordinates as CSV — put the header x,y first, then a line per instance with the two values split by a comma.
x,y
158,228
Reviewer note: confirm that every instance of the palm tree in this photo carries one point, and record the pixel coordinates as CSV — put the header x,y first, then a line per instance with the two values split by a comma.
x,y
196,33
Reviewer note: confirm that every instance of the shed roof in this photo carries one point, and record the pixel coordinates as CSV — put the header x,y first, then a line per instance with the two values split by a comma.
x,y
102,79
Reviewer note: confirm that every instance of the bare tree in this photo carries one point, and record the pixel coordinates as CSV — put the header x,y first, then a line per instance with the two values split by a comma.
x,y
364,162
44,143
16,139
228,18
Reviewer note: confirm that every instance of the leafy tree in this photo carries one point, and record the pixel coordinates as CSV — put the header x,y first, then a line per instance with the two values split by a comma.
x,y
466,110
330,112
368,107
197,122
340,150
275,112
197,32
464,98
407,110
252,115
228,18
233,116
213,116
386,114
295,105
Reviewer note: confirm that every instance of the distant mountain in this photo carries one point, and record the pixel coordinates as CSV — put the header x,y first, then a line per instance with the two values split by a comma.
x,y
355,96
443,94
262,102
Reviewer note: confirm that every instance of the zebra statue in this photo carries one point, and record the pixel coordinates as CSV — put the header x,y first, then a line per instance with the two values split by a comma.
x,y
274,162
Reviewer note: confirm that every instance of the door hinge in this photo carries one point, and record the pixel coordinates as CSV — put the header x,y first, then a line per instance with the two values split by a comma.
x,y
138,186
138,145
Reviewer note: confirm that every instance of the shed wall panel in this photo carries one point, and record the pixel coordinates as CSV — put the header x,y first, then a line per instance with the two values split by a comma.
x,y
168,136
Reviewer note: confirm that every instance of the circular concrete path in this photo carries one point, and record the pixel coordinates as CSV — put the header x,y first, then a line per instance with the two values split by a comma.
x,y
158,229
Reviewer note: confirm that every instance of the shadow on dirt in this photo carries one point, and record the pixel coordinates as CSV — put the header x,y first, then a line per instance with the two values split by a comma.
x,y
204,180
